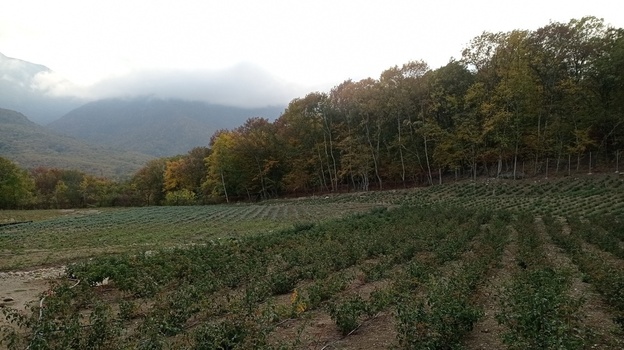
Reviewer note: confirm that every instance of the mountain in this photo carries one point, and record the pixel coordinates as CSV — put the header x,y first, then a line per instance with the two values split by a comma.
x,y
31,145
25,87
154,126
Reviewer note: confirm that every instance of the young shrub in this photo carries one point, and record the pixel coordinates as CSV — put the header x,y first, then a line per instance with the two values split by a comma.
x,y
538,312
441,321
347,314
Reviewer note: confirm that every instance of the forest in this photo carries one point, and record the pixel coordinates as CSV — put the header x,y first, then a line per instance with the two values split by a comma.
x,y
516,104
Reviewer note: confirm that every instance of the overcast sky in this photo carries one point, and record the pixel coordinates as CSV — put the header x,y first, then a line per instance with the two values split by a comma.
x,y
281,49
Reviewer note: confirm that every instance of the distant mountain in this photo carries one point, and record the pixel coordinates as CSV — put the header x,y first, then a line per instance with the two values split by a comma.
x,y
154,126
31,145
23,87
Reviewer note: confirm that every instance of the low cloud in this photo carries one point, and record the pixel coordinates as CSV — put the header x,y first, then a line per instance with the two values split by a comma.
x,y
244,85
53,84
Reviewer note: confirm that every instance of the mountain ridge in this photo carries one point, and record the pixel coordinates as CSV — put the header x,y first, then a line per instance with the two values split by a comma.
x,y
22,91
152,125
31,145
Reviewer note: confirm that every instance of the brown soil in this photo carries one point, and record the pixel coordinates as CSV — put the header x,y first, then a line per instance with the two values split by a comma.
x,y
486,333
21,289
316,330
597,317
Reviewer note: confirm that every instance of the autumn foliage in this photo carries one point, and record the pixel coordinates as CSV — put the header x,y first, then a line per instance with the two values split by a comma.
x,y
520,103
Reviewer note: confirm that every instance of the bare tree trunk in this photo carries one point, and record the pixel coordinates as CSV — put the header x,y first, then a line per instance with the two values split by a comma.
x,y
262,185
535,169
374,153
401,151
427,159
578,162
332,171
227,199
474,165
539,128
329,172
515,161
322,169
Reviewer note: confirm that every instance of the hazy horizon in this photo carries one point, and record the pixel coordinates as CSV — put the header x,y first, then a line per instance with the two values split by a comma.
x,y
248,52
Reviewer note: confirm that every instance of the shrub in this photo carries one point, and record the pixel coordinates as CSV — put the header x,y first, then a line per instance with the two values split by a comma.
x,y
539,313
347,314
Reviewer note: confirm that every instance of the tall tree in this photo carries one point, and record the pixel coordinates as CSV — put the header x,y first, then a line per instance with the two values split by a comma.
x,y
187,172
149,182
15,186
58,187
301,131
228,174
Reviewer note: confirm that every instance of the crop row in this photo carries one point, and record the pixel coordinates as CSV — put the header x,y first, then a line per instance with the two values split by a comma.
x,y
420,266
604,272
204,294
132,228
595,195
537,308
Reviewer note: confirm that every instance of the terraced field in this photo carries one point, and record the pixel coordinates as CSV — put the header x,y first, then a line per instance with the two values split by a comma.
x,y
486,265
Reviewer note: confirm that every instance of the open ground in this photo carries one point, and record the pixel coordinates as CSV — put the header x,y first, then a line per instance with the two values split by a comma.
x,y
522,264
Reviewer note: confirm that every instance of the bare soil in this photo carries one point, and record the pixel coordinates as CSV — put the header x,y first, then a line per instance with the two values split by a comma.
x,y
486,333
20,289
597,316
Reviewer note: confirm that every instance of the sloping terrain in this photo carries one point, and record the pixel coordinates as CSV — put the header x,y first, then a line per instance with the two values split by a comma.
x,y
31,145
154,126
454,266
22,90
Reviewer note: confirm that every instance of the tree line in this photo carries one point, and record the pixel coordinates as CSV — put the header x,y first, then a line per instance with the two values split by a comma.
x,y
516,104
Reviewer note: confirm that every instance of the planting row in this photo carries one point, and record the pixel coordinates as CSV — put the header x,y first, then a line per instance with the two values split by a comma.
x,y
222,293
127,229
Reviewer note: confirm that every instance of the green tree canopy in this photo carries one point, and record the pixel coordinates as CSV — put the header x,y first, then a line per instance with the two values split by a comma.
x,y
16,186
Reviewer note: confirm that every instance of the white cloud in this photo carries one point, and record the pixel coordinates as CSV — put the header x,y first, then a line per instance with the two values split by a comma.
x,y
53,84
241,85
311,43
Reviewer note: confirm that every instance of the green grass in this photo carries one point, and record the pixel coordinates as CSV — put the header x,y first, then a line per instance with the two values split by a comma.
x,y
59,236
229,276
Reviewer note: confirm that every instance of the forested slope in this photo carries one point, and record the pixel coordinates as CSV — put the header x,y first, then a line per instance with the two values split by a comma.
x,y
32,146
516,104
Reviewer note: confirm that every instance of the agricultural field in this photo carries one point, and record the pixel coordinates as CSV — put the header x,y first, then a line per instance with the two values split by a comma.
x,y
474,265
52,237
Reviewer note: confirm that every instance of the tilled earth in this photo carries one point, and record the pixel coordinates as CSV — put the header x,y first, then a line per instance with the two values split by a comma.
x,y
19,289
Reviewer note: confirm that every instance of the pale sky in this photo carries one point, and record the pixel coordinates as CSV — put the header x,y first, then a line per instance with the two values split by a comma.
x,y
305,45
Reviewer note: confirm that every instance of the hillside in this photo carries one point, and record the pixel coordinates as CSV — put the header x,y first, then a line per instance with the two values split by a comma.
x,y
24,88
154,126
31,145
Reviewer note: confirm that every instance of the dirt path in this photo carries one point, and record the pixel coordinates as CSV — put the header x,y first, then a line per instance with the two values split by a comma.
x,y
18,289
486,333
595,311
